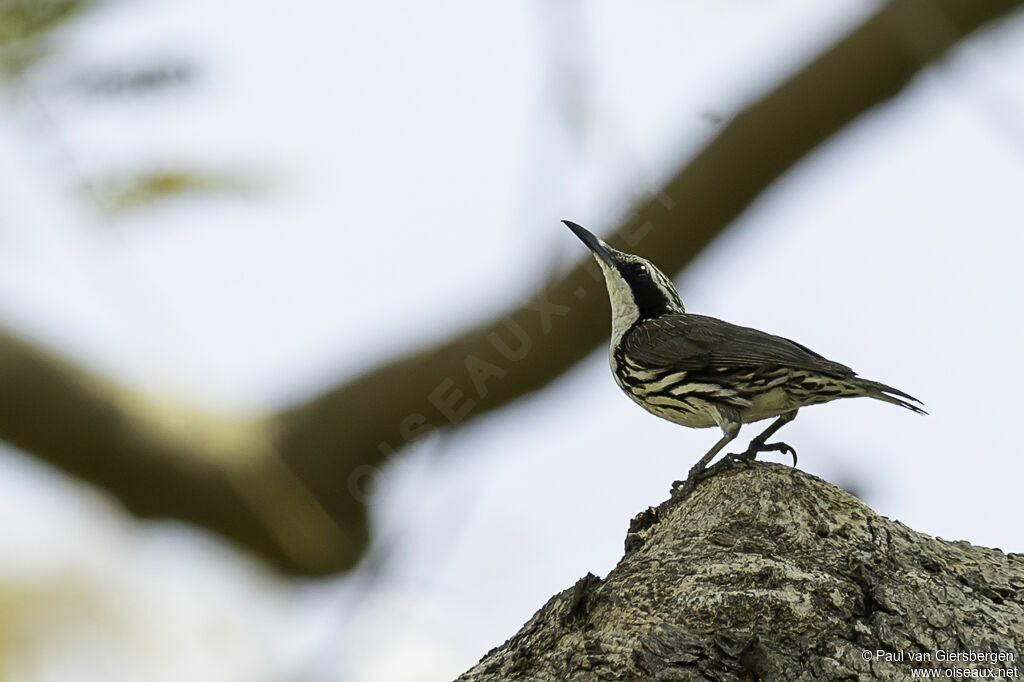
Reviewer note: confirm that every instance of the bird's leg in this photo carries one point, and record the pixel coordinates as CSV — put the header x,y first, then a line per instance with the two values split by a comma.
x,y
729,420
731,429
758,444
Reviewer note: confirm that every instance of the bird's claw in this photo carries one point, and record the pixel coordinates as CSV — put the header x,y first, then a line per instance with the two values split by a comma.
x,y
696,475
751,452
784,448
741,457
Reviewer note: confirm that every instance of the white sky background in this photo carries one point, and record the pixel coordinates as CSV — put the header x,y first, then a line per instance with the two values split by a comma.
x,y
449,129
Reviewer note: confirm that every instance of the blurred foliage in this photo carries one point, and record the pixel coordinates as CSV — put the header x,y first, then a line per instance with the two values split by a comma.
x,y
69,606
25,34
141,80
24,25
119,194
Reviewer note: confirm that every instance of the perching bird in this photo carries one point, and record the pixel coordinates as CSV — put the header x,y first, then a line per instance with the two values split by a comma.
x,y
699,371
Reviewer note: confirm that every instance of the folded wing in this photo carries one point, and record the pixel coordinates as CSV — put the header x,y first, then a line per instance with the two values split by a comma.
x,y
695,342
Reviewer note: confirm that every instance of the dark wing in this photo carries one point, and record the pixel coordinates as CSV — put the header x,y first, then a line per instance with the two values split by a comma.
x,y
695,342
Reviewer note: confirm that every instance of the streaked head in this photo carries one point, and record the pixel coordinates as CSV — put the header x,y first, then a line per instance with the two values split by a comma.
x,y
636,288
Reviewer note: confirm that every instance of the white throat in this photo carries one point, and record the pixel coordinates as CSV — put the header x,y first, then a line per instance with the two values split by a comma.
x,y
624,310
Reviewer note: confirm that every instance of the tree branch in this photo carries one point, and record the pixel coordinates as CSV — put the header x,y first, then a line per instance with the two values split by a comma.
x,y
767,573
162,458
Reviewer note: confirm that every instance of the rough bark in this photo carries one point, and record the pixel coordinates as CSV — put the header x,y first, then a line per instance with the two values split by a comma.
x,y
768,573
288,486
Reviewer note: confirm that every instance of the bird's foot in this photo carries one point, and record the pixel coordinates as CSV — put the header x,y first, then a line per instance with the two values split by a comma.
x,y
784,448
697,474
741,457
700,472
682,489
750,454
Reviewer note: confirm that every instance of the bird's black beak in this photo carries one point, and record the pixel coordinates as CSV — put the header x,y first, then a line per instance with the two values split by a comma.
x,y
600,249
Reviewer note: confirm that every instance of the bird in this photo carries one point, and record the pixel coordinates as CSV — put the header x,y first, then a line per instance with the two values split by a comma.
x,y
700,371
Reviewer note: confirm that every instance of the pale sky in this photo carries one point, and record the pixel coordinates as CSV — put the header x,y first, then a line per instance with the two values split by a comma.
x,y
451,131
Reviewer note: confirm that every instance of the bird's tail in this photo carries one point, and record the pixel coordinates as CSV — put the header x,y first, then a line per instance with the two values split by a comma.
x,y
874,389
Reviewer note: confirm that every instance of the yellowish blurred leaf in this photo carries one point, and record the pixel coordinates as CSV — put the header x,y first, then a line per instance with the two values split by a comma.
x,y
120,194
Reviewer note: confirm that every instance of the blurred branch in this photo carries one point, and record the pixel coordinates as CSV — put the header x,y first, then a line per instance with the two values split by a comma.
x,y
288,486
162,458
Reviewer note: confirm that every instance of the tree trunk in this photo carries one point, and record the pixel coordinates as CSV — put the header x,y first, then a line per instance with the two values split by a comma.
x,y
768,573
